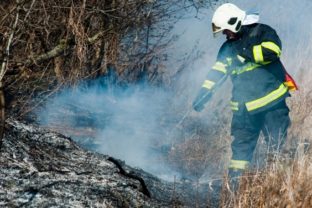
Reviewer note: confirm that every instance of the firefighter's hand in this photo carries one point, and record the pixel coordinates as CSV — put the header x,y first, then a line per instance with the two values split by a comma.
x,y
198,106
203,97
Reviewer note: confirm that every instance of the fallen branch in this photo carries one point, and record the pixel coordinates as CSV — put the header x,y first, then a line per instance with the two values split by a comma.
x,y
55,52
118,163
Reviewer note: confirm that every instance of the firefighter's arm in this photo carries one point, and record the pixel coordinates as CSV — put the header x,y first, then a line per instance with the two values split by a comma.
x,y
215,77
266,49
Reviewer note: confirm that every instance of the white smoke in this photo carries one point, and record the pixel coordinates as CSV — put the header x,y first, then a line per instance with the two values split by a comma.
x,y
128,122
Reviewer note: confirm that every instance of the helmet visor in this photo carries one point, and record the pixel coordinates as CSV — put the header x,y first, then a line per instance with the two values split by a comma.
x,y
215,29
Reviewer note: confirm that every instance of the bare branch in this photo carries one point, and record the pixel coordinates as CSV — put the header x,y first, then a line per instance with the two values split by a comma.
x,y
7,50
58,50
31,6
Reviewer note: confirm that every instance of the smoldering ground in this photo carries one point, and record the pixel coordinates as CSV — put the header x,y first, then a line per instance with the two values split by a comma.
x,y
128,121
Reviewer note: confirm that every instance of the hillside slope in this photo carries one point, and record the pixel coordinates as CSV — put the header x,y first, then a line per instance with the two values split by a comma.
x,y
40,168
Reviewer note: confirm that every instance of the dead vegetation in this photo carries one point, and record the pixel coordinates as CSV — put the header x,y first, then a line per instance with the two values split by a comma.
x,y
48,45
60,43
281,184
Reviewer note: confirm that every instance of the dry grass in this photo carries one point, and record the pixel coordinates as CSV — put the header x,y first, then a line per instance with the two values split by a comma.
x,y
282,184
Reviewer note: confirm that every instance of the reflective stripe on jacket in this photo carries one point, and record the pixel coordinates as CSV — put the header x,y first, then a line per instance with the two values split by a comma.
x,y
253,63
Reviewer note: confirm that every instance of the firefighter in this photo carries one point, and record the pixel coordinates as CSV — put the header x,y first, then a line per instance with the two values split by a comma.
x,y
251,58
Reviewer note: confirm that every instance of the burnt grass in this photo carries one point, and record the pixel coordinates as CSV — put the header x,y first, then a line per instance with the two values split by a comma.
x,y
40,168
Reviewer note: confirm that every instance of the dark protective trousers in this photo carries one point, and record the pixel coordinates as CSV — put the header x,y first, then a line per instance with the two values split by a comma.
x,y
246,128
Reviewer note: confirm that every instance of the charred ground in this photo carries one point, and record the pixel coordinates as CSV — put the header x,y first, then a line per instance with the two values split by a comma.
x,y
41,168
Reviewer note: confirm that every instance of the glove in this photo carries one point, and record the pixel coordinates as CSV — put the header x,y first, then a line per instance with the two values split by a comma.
x,y
198,107
202,98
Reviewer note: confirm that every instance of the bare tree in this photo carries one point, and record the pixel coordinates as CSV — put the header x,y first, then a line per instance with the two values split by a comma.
x,y
4,69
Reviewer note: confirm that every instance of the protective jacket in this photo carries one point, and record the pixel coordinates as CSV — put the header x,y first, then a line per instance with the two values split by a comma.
x,y
252,61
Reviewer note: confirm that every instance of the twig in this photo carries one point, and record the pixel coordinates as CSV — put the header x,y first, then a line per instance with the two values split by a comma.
x,y
31,6
41,101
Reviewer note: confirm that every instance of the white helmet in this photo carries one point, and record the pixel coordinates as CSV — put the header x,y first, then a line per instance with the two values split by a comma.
x,y
228,16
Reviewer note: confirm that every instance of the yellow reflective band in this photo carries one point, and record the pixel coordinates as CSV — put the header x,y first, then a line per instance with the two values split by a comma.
x,y
257,52
208,84
241,59
273,47
219,66
253,105
247,67
234,105
239,164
